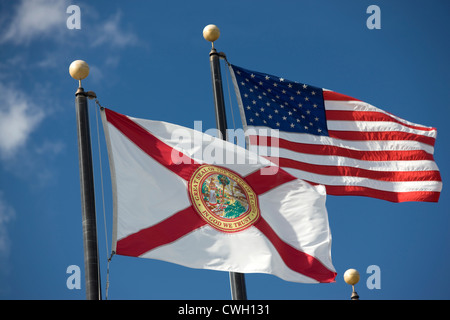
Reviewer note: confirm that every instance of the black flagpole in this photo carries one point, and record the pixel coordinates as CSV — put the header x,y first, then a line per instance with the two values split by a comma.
x,y
79,70
211,33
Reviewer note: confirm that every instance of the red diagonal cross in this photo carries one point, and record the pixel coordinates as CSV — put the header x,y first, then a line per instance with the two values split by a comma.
x,y
188,220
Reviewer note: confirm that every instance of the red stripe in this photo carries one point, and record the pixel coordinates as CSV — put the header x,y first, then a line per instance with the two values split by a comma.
x,y
167,231
329,170
425,196
380,136
328,150
262,183
151,145
296,260
349,115
331,95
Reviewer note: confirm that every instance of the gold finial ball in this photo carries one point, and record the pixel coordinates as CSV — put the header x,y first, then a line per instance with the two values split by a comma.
x,y
351,276
211,33
79,69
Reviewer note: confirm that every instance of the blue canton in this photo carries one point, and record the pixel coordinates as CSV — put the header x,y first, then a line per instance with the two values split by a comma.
x,y
278,103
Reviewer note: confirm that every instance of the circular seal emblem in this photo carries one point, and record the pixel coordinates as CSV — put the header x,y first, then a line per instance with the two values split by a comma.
x,y
223,198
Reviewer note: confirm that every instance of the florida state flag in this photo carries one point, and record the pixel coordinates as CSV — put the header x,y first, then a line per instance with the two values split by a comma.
x,y
188,198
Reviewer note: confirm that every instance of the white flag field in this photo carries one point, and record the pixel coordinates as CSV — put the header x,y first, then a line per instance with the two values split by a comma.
x,y
188,198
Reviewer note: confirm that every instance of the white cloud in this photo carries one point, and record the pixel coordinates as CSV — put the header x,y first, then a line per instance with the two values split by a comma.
x,y
36,18
113,34
18,118
50,147
47,19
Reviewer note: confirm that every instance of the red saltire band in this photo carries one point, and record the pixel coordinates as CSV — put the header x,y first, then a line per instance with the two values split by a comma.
x,y
187,220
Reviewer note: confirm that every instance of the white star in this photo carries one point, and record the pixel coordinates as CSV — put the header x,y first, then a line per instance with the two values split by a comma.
x,y
292,125
298,92
262,109
284,117
248,108
290,85
306,99
270,116
267,77
278,124
275,84
254,102
252,75
281,79
251,119
305,86
313,93
319,130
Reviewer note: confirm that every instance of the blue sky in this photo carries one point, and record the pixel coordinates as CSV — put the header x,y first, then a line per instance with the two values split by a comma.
x,y
148,59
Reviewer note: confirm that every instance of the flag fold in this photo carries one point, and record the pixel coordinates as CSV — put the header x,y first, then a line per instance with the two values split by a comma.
x,y
188,198
327,138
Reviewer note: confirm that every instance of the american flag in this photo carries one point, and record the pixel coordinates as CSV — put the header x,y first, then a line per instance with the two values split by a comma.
x,y
347,145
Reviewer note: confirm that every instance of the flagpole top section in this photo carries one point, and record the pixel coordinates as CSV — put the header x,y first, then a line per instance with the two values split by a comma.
x,y
351,276
79,70
211,33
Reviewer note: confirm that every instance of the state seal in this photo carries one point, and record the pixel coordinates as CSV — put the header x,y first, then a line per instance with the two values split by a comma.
x,y
223,198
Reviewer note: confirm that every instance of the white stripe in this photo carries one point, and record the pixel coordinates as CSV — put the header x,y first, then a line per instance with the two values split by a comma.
x,y
396,165
371,126
350,106
363,106
353,145
365,182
